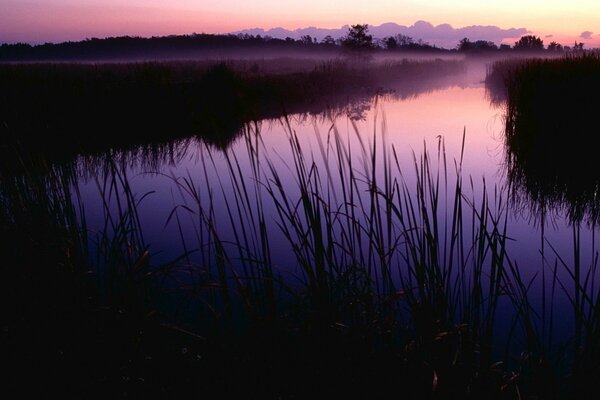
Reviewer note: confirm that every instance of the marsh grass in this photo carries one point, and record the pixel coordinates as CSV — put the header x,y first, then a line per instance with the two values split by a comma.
x,y
78,304
416,268
550,121
390,277
62,110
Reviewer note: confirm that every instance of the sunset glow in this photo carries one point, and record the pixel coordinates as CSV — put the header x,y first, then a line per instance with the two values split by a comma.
x,y
37,21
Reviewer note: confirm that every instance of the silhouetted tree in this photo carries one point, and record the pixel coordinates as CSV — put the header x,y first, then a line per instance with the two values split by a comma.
x,y
357,37
390,43
529,42
379,43
404,40
578,46
464,44
306,39
505,47
328,40
479,45
485,45
553,46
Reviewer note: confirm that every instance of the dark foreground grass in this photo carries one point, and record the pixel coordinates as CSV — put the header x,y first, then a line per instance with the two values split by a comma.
x,y
551,123
402,284
61,110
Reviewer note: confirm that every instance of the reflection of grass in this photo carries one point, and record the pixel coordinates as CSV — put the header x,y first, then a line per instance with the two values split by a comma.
x,y
550,125
60,110
400,283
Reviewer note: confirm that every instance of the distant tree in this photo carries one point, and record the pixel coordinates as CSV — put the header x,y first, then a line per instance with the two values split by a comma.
x,y
390,43
404,41
529,42
464,44
328,40
290,40
357,37
556,47
578,46
379,43
504,47
479,45
485,45
306,39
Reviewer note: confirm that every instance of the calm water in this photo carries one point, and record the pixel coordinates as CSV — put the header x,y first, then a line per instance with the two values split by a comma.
x,y
406,125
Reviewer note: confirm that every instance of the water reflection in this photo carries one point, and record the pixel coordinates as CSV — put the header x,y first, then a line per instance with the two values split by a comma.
x,y
95,109
208,209
549,178
549,161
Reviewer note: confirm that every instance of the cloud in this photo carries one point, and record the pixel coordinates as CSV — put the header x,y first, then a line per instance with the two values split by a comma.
x,y
443,35
586,35
548,36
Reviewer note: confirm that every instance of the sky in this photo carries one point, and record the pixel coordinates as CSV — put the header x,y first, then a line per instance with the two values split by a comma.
x,y
38,21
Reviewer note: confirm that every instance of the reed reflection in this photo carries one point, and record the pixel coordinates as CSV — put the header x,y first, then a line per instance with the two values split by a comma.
x,y
550,123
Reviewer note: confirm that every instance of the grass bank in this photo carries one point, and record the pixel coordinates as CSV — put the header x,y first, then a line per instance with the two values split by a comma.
x,y
550,125
60,110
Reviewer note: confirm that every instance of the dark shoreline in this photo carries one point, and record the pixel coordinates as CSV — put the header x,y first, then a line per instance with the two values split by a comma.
x,y
61,110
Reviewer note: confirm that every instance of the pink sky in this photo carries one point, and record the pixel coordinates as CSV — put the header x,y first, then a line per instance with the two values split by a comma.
x,y
38,21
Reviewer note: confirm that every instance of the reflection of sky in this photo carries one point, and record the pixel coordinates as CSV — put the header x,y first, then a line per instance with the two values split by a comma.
x,y
408,125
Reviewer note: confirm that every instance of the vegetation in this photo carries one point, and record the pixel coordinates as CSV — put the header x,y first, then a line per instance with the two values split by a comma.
x,y
357,38
549,125
393,280
199,47
61,110
401,282
207,46
529,42
174,47
466,45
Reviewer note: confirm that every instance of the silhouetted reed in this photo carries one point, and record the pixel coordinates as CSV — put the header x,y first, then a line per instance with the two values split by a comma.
x,y
394,280
550,123
383,266
61,110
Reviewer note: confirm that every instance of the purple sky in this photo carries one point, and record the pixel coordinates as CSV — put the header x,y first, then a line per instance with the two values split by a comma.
x,y
37,21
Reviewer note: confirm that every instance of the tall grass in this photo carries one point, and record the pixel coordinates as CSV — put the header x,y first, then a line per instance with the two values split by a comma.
x,y
62,110
550,121
380,257
549,165
388,274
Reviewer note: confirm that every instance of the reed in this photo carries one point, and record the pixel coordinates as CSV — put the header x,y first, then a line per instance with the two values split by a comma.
x,y
62,110
389,275
549,121
421,267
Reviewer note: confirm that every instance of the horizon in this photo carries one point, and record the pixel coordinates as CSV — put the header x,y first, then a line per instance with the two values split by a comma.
x,y
431,36
55,21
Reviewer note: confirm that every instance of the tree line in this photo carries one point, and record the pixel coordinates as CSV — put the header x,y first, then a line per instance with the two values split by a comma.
x,y
525,43
356,39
